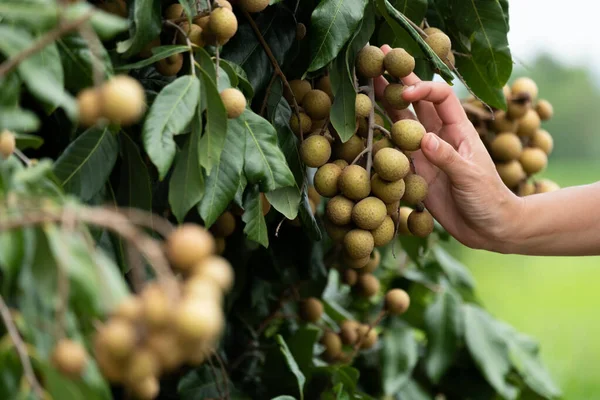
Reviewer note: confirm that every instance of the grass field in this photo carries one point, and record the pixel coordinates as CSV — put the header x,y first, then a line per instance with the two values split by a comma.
x,y
556,300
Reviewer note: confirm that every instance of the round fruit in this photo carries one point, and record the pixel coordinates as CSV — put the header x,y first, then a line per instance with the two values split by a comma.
x,y
315,151
354,182
369,213
526,189
363,106
146,52
399,63
222,3
416,189
341,163
199,287
216,269
174,11
388,192
393,96
397,301
440,44
369,62
299,90
198,319
382,143
316,104
511,173
350,277
403,215
501,123
358,263
224,226
314,195
234,101
8,143
129,309
123,100
529,124
391,164
89,107
420,223
533,160
69,357
339,210
223,24
384,233
156,306
305,123
450,60
542,140
431,31
165,345
349,332
118,338
142,364
311,310
525,87
546,186
368,285
146,389
359,243
407,134
506,147
113,370
324,84
350,150
300,31
326,180
336,232
544,109
194,34
333,345
189,244
171,65
517,109
220,245
202,21
254,6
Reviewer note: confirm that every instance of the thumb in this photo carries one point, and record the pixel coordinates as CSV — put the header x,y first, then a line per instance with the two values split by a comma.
x,y
444,156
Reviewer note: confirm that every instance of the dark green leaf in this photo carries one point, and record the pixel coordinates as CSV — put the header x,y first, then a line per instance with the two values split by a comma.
x,y
412,390
458,274
135,189
170,113
158,53
308,218
414,10
25,141
77,61
18,119
240,78
200,384
189,7
256,227
86,164
146,27
293,366
476,78
343,110
399,356
10,87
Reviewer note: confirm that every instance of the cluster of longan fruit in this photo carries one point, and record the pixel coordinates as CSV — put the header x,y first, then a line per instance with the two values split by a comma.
x,y
8,144
515,138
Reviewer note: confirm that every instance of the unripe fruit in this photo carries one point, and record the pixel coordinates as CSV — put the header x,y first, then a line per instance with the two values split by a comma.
x,y
369,62
198,319
369,213
189,244
69,357
546,186
146,389
399,63
388,192
533,160
254,6
529,124
123,100
511,173
358,263
171,65
359,243
431,31
341,163
339,210
165,345
315,151
89,107
416,189
174,11
350,150
391,164
142,364
216,269
234,101
118,338
393,96
517,109
156,306
440,44
324,84
350,277
336,232
501,123
544,109
368,285
326,180
224,226
311,310
299,90
319,126
316,104
354,182
382,143
349,332
420,223
506,147
403,215
397,301
8,143
542,140
384,233
525,87
223,24
333,345
407,134
363,105
373,264
305,123
130,309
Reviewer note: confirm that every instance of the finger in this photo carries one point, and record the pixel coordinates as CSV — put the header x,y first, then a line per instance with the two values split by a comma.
x,y
447,105
425,110
386,48
441,154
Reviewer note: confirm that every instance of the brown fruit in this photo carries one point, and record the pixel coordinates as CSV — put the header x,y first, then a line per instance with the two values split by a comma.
x,y
368,285
391,164
197,319
311,310
216,269
313,195
369,213
350,150
319,126
397,301
146,52
524,87
199,287
300,31
174,11
450,60
89,107
324,84
156,306
420,223
8,143
349,332
393,96
511,173
266,206
388,192
440,44
224,226
506,147
533,160
220,244
382,143
188,245
113,370
354,182
529,124
223,24
384,233
407,134
299,90
431,31
69,357
146,389
165,345
254,6
363,105
542,140
403,225
336,232
142,364
234,101
359,243
544,109
369,62
333,345
501,123
315,151
130,309
202,21
305,123
326,180
399,63
118,338
517,109
316,104
123,100
546,186
358,263
194,34
350,277
416,189
373,264
171,65
339,210
341,163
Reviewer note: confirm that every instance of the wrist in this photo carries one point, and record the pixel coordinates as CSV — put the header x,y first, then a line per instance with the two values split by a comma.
x,y
506,237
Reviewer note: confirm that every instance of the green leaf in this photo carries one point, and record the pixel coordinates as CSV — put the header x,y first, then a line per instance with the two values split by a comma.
x,y
186,186
147,26
78,64
414,391
458,274
189,7
172,110
135,189
308,218
444,327
10,87
256,227
238,75
158,53
18,119
399,356
293,366
84,167
414,10
488,348
476,78
25,141
332,24
265,164
203,383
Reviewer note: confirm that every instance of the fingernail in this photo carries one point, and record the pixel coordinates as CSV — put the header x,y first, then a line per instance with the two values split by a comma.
x,y
408,89
431,142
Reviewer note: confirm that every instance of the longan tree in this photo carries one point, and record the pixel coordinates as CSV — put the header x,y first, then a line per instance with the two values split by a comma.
x,y
208,200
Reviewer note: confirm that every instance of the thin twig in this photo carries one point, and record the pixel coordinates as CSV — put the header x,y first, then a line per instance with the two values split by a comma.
x,y
279,225
456,53
21,349
381,315
385,115
44,41
187,41
26,160
359,156
148,220
95,46
416,27
382,130
371,127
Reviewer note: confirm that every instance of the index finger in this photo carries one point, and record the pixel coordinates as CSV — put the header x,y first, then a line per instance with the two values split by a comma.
x,y
448,106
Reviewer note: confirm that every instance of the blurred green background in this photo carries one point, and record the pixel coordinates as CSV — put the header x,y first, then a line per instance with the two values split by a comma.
x,y
556,299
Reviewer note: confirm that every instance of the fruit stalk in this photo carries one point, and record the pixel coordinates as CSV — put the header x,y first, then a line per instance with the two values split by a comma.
x,y
371,94
189,45
373,324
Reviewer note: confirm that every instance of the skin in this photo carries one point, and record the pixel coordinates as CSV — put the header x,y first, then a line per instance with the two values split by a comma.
x,y
467,197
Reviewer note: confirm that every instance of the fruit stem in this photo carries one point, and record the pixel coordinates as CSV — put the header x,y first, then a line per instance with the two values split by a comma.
x,y
385,115
190,47
416,27
21,349
460,77
209,5
371,94
383,130
22,156
373,324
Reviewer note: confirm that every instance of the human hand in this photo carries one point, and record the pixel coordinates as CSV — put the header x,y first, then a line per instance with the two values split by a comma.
x,y
466,195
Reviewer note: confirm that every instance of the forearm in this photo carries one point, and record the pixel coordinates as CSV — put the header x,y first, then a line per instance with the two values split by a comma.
x,y
561,223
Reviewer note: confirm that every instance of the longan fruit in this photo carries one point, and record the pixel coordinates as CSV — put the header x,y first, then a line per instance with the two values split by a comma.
x,y
420,223
349,332
403,215
199,287
350,277
8,143
89,107
142,364
222,3
501,123
506,147
526,189
397,301
546,186
69,357
525,87
165,345
529,124
431,31
324,84
299,89
171,65
318,125
326,180
407,134
349,150
369,62
202,21
393,96
399,63
382,143
218,270
368,285
123,100
354,182
440,44
336,232
341,163
305,123
223,24
388,192
384,233
333,345
234,101
359,243
220,244
542,140
369,213
339,210
517,109
111,369
197,319
311,309
174,11
224,226
416,189
300,31
130,309
189,244
544,109
363,105
391,164
254,6
118,338
357,263
146,52
146,389
194,34
511,173
314,195
315,151
450,60
156,306
316,104
533,160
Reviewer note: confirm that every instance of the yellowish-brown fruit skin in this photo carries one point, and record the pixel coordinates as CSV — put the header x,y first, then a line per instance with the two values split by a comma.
x,y
359,243
363,105
542,140
69,357
146,389
324,84
529,124
202,21
218,270
174,11
384,233
354,182
407,134
299,90
315,151
350,277
201,287
316,104
388,192
450,60
234,101
326,180
339,210
199,319
305,124
403,215
123,100
166,346
440,44
311,309
222,3
118,338
336,232
544,109
349,332
129,309
188,245
369,213
526,189
253,6
391,164
358,263
333,345
266,206
171,65
511,173
397,301
341,163
224,226
373,264
350,150
416,189
223,24
8,143
113,370
431,31
525,87
368,285
382,143
393,96
506,147
420,223
369,62
399,63
517,109
220,244
501,123
156,306
546,186
142,364
533,160
89,106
